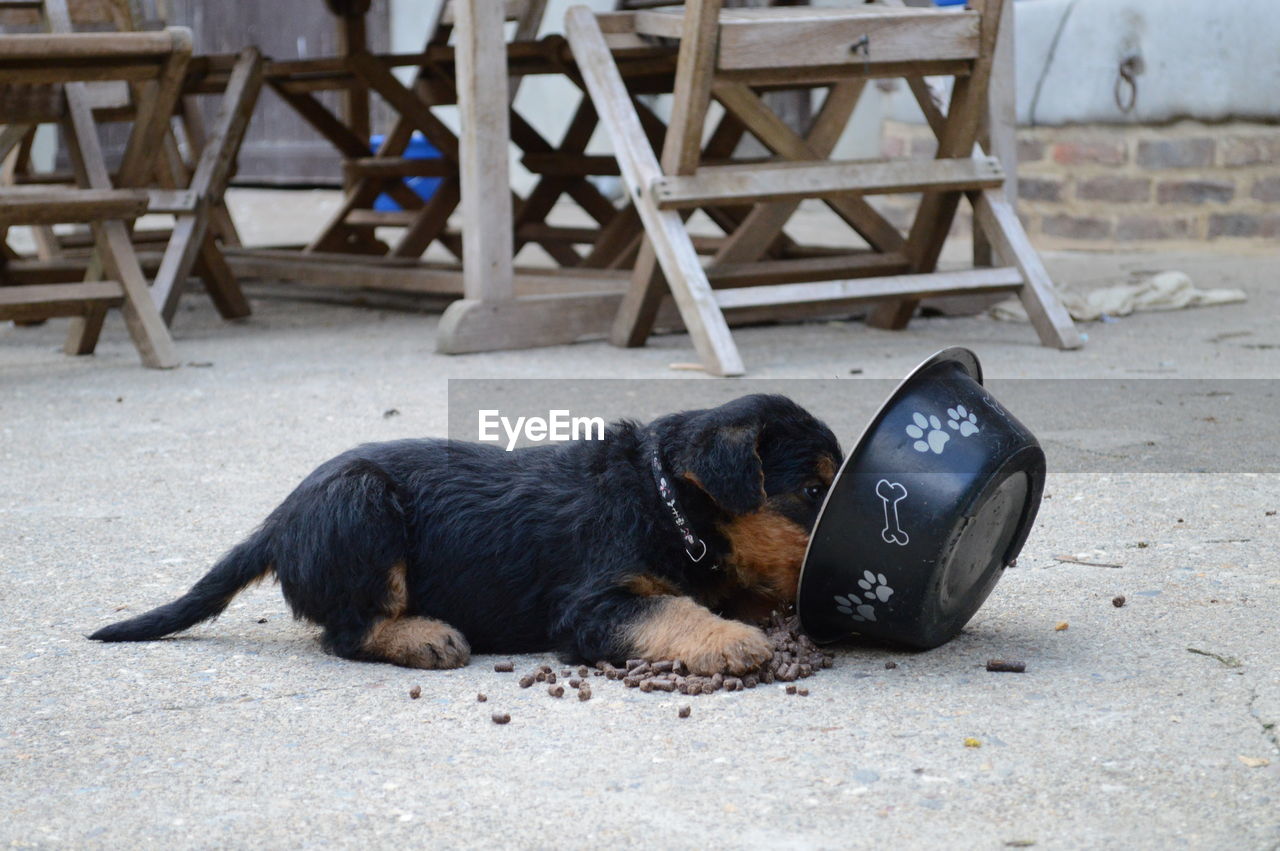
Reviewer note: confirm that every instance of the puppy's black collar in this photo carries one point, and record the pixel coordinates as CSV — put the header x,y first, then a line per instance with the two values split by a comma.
x,y
694,547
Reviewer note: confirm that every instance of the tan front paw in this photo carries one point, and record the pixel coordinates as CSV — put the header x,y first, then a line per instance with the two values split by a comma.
x,y
678,628
733,648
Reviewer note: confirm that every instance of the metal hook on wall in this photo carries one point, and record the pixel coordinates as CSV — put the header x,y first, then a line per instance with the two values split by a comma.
x,y
1127,76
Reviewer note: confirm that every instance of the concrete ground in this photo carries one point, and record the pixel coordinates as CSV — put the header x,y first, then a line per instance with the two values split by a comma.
x,y
1150,725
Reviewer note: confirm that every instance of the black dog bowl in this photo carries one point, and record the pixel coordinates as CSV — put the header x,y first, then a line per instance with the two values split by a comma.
x,y
935,500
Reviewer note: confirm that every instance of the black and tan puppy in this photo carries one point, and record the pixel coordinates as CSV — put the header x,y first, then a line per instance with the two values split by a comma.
x,y
648,543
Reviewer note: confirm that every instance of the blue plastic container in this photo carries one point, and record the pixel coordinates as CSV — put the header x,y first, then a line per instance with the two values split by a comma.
x,y
949,2
418,149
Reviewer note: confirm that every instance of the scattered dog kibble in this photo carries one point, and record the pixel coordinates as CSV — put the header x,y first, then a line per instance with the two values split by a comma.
x,y
501,718
1118,600
889,666
795,657
1006,666
803,692
1142,545
481,698
415,692
971,742
685,711
1271,513
1062,625
791,689
504,667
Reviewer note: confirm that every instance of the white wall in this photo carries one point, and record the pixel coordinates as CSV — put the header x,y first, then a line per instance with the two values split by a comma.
x,y
1209,60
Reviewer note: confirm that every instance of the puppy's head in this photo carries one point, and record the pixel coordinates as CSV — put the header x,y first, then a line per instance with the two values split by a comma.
x,y
765,464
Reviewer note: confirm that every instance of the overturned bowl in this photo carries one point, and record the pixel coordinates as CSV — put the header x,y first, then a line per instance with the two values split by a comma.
x,y
930,506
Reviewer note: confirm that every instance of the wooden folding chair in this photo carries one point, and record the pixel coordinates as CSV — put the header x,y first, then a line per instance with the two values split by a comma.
x,y
43,79
197,178
734,55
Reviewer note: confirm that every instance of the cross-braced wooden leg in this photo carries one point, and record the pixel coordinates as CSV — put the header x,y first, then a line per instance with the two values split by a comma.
x,y
671,245
957,137
115,248
191,240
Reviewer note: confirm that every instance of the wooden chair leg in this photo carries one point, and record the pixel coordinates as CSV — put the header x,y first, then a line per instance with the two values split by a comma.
x,y
115,247
639,307
993,213
84,331
190,238
220,282
670,242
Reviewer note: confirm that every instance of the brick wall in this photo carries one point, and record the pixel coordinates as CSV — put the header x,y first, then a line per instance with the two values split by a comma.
x,y
1118,187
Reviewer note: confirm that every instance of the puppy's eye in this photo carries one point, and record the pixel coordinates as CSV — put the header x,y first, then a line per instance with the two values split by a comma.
x,y
815,492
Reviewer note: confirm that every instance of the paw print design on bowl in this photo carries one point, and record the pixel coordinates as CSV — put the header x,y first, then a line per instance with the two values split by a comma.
x,y
927,433
962,420
874,588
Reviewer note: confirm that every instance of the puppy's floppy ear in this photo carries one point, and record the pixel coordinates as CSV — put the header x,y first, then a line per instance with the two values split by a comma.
x,y
721,459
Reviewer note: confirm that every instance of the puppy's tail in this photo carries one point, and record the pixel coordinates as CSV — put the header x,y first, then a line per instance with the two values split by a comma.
x,y
247,562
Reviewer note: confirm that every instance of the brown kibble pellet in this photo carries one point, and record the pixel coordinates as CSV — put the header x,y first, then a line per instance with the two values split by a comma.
x,y
526,681
685,711
480,698
574,682
415,692
546,669
551,679
556,691
1007,667
501,718
1117,601
504,667
584,693
646,686
803,692
565,672
890,665
582,670
541,676
791,689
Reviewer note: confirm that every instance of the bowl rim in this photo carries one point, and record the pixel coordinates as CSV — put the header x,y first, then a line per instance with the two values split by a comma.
x,y
964,358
